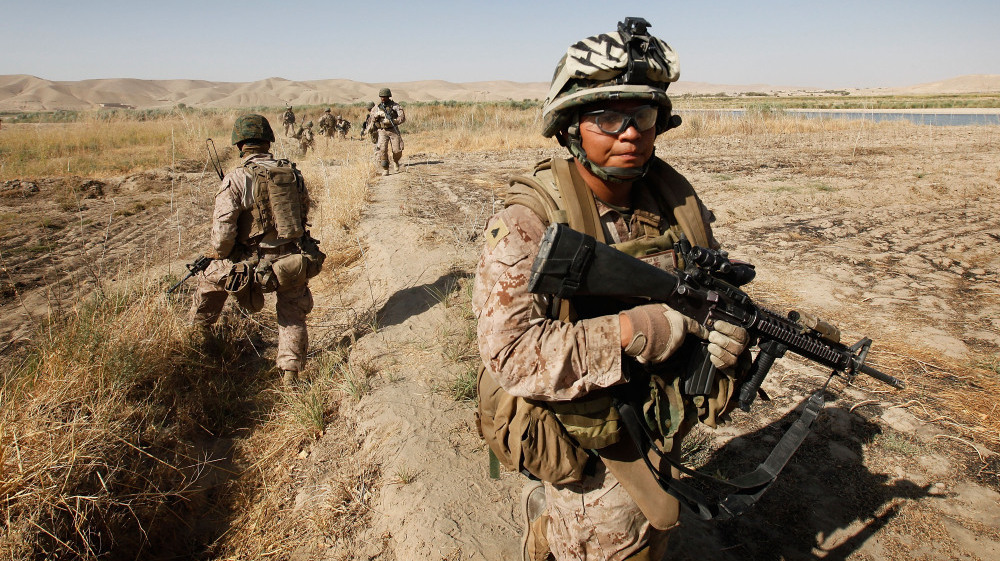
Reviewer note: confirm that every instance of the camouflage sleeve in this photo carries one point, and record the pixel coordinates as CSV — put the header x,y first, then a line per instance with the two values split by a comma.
x,y
400,114
533,356
227,213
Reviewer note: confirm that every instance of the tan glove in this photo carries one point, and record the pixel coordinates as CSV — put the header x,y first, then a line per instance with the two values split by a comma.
x,y
725,343
657,331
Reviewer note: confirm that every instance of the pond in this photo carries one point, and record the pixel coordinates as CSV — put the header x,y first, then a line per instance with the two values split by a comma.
x,y
918,118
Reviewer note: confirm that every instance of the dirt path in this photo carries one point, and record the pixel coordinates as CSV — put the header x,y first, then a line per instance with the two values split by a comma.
x,y
873,482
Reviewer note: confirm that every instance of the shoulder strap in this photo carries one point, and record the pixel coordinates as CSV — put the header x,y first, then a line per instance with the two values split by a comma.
x,y
674,191
578,201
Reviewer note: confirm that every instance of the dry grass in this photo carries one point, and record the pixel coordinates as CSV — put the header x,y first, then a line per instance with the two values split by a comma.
x,y
99,423
100,147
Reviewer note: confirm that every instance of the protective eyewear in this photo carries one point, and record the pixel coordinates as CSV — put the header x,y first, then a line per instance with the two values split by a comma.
x,y
614,122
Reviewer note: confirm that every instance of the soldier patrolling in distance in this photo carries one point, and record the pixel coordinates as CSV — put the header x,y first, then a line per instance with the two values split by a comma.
x,y
288,120
386,118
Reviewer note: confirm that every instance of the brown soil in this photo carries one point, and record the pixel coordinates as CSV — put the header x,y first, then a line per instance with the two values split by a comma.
x,y
59,235
889,233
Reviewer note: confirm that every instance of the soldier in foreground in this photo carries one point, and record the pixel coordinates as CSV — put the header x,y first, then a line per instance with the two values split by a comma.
x,y
260,244
386,118
327,124
288,120
596,500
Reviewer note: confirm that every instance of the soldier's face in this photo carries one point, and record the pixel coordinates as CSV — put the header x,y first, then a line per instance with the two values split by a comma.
x,y
630,148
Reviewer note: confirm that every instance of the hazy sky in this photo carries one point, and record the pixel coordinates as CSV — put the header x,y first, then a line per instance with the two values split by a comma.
x,y
812,43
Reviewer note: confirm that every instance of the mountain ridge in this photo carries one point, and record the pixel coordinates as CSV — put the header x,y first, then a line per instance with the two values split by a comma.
x,y
23,92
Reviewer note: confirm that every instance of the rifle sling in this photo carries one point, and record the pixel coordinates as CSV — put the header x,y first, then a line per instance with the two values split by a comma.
x,y
751,486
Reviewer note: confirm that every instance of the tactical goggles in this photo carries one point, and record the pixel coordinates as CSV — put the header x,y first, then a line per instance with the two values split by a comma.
x,y
613,122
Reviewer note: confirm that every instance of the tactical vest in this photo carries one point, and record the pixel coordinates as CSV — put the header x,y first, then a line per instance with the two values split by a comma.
x,y
279,201
532,435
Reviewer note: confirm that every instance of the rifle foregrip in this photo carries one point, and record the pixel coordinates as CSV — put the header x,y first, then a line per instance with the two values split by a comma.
x,y
748,391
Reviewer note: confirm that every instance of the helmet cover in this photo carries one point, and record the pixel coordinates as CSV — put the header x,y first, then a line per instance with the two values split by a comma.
x,y
252,127
625,64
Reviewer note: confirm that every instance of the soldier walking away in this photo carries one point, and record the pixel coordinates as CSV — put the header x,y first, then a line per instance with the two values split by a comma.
x,y
260,243
386,118
288,120
327,124
553,369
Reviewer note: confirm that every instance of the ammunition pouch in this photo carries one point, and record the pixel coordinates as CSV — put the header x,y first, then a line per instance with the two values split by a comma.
x,y
290,271
239,278
526,436
266,278
240,282
310,248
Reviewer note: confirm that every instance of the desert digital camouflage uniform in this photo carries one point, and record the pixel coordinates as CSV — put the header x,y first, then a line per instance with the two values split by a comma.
x,y
549,360
306,137
233,204
288,120
388,137
327,124
342,126
531,353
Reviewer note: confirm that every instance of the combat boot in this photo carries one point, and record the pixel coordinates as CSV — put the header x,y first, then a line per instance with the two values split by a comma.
x,y
395,167
290,379
534,542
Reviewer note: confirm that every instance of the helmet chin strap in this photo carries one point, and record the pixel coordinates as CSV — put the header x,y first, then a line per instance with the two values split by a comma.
x,y
606,173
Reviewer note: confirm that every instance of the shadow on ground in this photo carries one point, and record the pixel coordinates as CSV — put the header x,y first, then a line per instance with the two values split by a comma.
x,y
416,300
826,503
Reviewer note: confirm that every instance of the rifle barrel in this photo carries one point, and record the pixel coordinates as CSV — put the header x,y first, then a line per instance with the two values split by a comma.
x,y
891,380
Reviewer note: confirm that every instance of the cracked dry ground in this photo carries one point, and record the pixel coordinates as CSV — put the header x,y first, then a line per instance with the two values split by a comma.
x,y
888,232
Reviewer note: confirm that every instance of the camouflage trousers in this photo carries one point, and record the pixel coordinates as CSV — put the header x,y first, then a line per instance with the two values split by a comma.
x,y
388,140
597,520
292,308
289,128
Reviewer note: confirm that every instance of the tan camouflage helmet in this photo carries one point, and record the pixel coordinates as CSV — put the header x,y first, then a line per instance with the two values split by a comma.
x,y
327,110
624,64
385,92
370,104
252,127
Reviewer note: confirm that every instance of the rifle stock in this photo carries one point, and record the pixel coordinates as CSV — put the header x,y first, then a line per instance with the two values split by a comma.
x,y
570,263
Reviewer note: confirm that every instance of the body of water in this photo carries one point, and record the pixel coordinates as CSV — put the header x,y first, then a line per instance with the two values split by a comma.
x,y
934,119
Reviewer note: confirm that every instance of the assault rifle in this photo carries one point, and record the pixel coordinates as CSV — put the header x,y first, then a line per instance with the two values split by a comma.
x,y
571,264
389,116
199,265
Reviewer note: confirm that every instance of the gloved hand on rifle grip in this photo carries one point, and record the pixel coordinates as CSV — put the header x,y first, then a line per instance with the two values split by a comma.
x,y
653,332
725,343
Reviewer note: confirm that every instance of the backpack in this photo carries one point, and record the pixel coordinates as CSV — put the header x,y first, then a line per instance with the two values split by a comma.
x,y
279,199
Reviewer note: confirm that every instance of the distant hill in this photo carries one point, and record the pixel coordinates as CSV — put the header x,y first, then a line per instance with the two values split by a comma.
x,y
22,92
